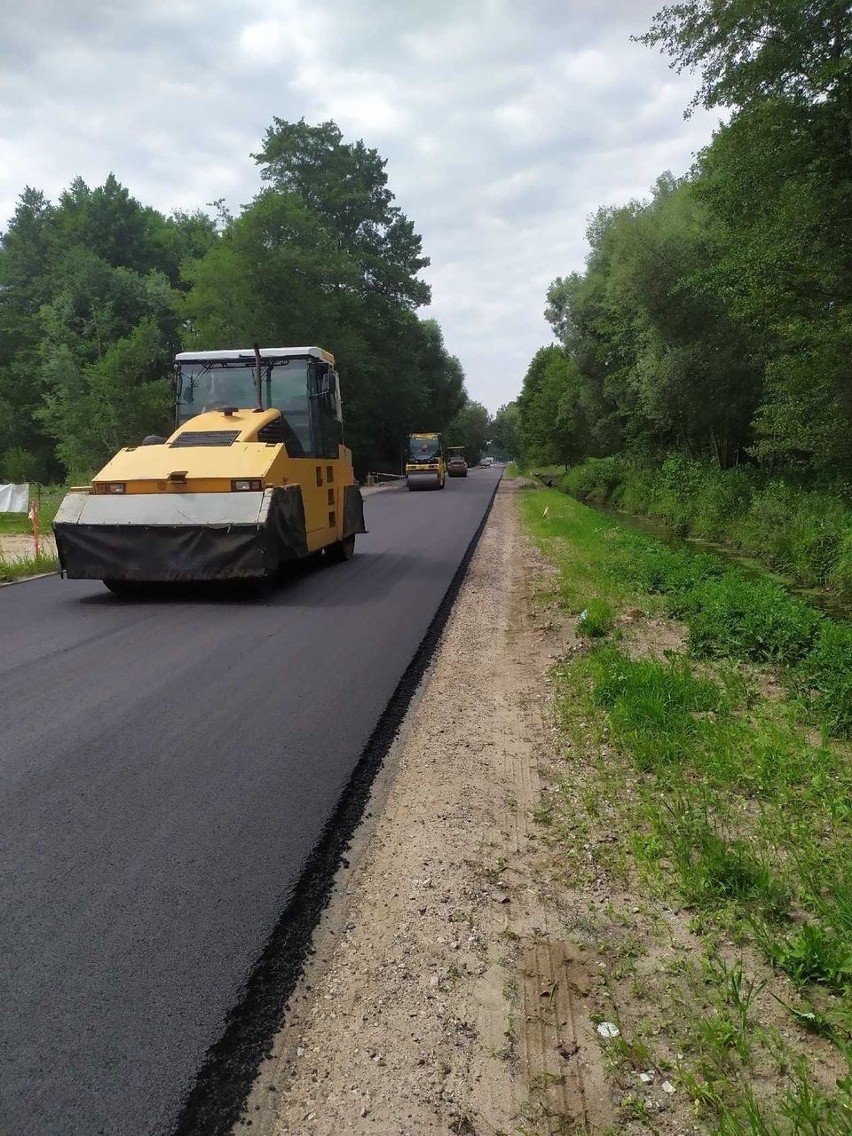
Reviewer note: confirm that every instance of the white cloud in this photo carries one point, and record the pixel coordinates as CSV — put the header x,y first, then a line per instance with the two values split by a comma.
x,y
504,125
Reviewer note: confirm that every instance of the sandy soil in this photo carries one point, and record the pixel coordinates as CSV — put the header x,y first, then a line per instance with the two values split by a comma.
x,y
442,997
18,546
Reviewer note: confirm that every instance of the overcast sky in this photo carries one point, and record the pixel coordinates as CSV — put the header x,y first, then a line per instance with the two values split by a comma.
x,y
505,124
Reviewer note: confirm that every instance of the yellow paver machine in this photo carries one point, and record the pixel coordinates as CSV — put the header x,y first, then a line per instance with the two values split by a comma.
x,y
425,464
254,476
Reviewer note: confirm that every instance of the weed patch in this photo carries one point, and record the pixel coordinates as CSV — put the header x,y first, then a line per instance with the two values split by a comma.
x,y
29,566
596,620
747,619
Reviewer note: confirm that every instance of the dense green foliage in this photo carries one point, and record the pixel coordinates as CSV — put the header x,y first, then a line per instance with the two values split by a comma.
x,y
469,428
87,325
715,318
97,292
505,439
804,532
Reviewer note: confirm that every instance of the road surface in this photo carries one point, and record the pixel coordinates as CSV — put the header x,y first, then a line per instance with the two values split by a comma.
x,y
166,768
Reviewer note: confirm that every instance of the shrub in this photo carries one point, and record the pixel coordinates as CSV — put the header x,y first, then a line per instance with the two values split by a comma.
x,y
840,576
749,619
677,485
18,466
635,493
799,532
722,496
594,480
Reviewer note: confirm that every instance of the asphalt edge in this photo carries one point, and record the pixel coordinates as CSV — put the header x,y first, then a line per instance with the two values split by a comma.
x,y
226,1078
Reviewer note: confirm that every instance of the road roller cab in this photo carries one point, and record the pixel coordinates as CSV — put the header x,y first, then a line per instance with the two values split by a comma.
x,y
425,464
254,475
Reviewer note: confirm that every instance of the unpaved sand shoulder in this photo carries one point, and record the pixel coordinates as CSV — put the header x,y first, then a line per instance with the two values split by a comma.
x,y
441,997
18,546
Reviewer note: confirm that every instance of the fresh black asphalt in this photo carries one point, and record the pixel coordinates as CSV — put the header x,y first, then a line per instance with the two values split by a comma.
x,y
166,768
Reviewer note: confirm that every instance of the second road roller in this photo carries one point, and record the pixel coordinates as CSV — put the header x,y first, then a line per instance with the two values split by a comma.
x,y
425,463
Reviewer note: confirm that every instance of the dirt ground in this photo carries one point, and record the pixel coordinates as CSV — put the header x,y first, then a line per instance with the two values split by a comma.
x,y
442,997
17,546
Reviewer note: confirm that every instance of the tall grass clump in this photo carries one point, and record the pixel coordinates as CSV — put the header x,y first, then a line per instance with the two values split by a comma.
x,y
839,579
11,570
652,705
596,619
800,532
651,566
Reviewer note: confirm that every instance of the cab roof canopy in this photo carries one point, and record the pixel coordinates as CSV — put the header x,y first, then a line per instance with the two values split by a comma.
x,y
246,354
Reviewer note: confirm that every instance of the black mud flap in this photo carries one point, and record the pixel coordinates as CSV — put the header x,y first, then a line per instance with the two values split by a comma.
x,y
210,550
353,511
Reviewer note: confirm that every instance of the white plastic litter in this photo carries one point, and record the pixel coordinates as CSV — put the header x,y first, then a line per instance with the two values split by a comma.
x,y
14,498
608,1029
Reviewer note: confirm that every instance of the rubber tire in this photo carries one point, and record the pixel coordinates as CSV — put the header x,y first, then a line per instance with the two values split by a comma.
x,y
341,550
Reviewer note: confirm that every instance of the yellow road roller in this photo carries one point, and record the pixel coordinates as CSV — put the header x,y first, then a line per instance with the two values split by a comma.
x,y
456,461
253,477
425,465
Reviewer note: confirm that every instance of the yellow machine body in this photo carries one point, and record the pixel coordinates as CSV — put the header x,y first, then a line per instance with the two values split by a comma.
x,y
234,492
426,463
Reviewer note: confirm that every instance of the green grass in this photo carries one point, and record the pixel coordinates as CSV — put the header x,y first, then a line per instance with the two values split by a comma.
x,y
747,619
720,797
728,614
30,566
596,620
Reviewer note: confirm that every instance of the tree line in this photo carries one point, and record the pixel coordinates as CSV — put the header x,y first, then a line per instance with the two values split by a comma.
x,y
715,317
98,292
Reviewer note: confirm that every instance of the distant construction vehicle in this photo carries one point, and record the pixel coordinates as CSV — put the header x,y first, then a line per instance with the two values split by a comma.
x,y
253,477
425,464
456,461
